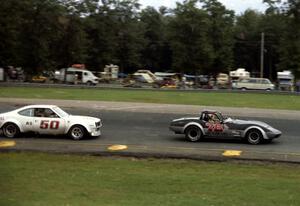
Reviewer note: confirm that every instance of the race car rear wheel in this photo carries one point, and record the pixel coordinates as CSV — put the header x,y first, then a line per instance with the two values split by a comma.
x,y
193,133
77,132
254,136
10,130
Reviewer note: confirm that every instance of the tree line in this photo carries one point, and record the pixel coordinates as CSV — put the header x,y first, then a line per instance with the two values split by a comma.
x,y
195,37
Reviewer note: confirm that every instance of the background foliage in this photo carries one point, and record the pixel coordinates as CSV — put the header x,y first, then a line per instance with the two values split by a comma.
x,y
196,37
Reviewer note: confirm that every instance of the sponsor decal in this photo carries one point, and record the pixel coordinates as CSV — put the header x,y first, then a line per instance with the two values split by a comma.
x,y
45,124
214,127
29,123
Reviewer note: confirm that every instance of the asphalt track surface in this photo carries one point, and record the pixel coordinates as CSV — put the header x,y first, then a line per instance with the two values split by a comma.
x,y
147,134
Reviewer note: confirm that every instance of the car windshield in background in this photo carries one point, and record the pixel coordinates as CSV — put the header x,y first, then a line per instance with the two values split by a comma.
x,y
60,112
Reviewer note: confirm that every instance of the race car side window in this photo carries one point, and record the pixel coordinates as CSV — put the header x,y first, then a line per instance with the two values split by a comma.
x,y
45,112
50,113
215,118
205,117
26,112
202,116
39,112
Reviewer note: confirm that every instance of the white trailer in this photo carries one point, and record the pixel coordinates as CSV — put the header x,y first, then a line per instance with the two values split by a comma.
x,y
285,80
239,74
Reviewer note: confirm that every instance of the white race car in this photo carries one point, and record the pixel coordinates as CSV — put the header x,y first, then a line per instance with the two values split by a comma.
x,y
48,119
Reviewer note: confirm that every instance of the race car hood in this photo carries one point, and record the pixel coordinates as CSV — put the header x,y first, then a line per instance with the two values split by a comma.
x,y
84,118
186,118
247,122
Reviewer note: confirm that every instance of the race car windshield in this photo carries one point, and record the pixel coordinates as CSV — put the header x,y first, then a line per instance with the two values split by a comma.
x,y
221,118
60,112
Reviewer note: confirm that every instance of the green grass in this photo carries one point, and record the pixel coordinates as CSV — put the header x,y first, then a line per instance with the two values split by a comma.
x,y
52,179
269,101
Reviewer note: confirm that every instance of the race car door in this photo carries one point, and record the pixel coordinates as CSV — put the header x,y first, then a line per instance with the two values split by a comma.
x,y
213,126
46,121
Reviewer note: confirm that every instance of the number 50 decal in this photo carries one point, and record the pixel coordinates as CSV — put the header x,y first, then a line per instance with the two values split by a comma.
x,y
53,124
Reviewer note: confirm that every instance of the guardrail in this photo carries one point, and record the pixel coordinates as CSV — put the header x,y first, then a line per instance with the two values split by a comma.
x,y
144,87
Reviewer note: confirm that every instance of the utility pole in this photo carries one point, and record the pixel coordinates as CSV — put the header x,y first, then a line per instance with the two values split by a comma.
x,y
262,49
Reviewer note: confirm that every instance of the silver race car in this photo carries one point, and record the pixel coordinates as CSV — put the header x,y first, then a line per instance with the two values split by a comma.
x,y
214,124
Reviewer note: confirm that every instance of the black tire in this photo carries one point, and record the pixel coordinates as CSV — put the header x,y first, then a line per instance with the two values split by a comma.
x,y
243,89
193,133
10,130
77,132
254,136
89,83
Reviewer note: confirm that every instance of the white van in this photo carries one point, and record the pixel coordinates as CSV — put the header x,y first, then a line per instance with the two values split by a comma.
x,y
254,84
80,76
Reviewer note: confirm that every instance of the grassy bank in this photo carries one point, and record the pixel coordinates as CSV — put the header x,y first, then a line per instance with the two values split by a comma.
x,y
48,179
269,101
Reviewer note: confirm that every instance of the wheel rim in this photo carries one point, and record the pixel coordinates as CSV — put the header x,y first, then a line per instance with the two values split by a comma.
x,y
194,134
77,133
10,130
254,137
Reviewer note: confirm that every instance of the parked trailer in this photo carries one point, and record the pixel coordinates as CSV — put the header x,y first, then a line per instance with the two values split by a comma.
x,y
285,80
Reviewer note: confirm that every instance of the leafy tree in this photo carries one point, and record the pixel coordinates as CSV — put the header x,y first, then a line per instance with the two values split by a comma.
x,y
247,40
154,34
290,42
221,24
188,36
272,23
11,19
116,35
198,36
130,35
37,33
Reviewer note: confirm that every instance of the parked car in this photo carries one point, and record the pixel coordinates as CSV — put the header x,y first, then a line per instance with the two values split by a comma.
x,y
254,84
39,79
214,124
76,76
48,119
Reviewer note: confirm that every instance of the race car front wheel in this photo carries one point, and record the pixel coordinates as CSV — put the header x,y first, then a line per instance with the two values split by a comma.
x,y
193,133
254,136
10,130
77,132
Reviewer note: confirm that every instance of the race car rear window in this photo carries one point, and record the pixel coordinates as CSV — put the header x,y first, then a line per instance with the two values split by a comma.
x,y
26,112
